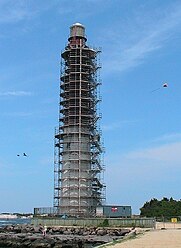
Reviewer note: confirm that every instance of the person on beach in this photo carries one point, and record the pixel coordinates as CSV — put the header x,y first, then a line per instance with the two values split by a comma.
x,y
44,231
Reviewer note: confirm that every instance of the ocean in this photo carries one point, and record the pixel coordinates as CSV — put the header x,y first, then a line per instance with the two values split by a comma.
x,y
5,222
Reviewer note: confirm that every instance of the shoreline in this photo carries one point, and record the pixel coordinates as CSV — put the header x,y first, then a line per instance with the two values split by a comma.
x,y
28,235
78,237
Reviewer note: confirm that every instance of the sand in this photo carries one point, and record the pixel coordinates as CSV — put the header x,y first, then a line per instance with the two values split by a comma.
x,y
169,238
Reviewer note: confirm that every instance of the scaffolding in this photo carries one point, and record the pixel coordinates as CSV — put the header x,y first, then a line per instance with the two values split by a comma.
x,y
78,163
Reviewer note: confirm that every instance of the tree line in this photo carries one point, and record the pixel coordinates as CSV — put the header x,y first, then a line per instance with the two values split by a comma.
x,y
158,208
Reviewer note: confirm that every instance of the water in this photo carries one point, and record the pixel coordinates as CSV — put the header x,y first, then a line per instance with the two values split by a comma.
x,y
5,222
18,221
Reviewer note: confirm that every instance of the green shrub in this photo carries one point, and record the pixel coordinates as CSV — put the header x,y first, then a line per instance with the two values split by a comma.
x,y
104,223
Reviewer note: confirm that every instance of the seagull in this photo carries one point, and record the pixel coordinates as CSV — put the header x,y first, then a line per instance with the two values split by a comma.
x,y
25,155
17,155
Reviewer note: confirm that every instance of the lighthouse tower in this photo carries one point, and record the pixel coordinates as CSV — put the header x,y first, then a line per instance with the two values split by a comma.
x,y
78,165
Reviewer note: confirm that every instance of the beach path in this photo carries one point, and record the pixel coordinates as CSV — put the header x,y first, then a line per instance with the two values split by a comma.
x,y
169,238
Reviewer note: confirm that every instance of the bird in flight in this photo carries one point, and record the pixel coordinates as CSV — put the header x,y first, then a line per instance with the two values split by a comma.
x,y
24,155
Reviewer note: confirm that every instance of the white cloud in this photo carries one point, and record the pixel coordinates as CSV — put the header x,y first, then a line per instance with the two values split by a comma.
x,y
172,137
14,11
166,153
16,93
132,45
169,137
116,125
140,175
162,149
143,162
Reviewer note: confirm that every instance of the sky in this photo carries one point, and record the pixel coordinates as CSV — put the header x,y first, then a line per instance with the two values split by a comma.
x,y
141,126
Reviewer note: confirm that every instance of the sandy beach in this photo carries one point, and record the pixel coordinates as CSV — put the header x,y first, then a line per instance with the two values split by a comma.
x,y
169,238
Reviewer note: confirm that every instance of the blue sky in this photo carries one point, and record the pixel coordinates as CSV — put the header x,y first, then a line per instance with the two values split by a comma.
x,y
141,46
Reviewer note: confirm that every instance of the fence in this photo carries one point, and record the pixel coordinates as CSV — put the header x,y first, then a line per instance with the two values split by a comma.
x,y
45,211
168,222
96,222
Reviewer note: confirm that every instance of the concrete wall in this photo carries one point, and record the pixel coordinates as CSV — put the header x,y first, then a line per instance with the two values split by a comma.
x,y
144,222
168,225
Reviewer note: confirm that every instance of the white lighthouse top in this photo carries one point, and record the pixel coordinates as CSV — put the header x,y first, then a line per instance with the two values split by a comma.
x,y
77,24
77,29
